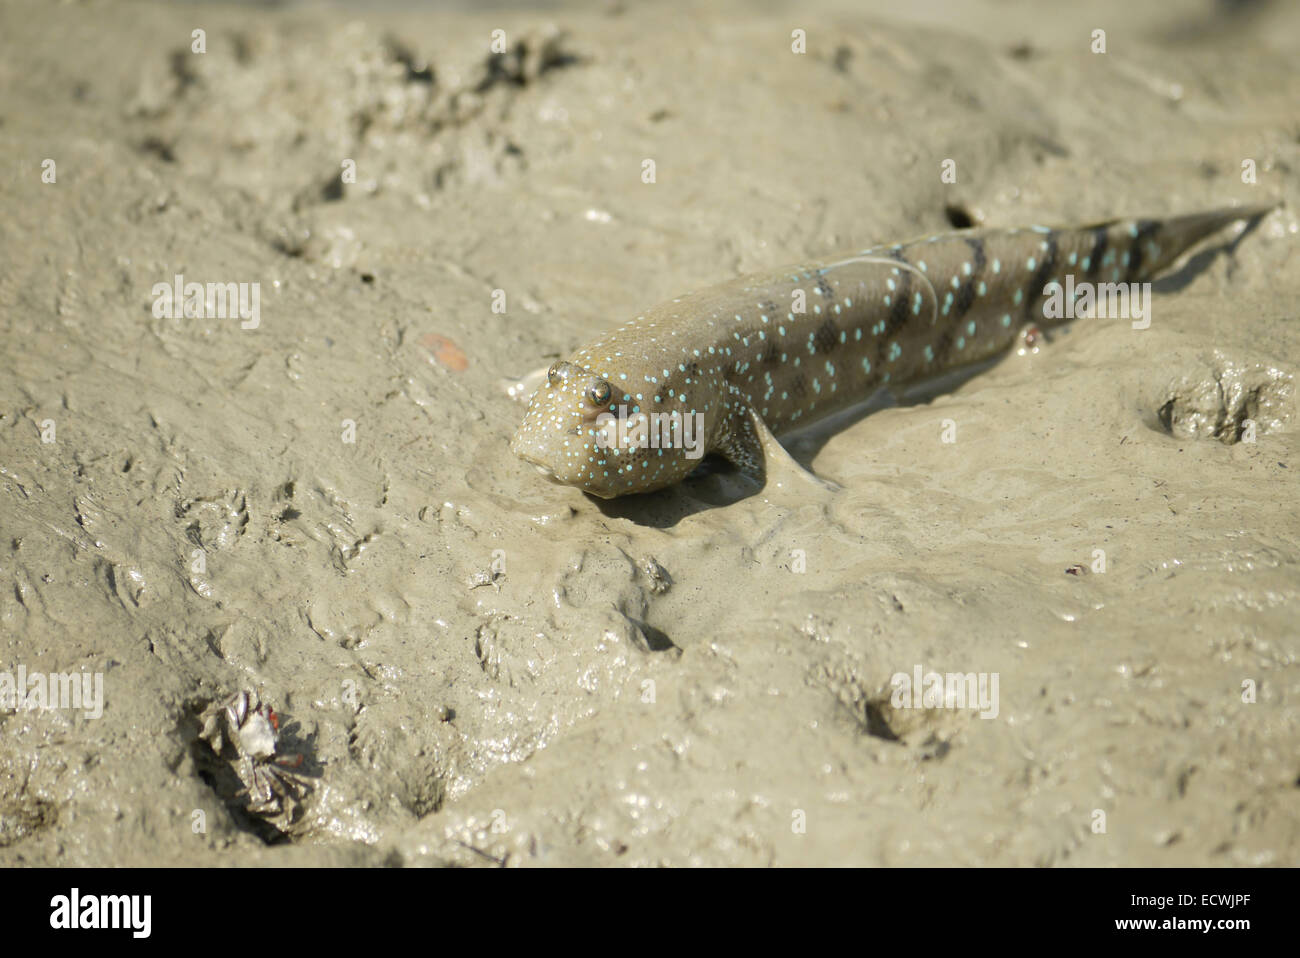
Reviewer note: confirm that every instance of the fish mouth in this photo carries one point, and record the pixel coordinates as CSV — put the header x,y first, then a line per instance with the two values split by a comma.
x,y
546,473
542,468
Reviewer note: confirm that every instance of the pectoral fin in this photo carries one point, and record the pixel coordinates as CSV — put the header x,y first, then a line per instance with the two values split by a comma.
x,y
748,444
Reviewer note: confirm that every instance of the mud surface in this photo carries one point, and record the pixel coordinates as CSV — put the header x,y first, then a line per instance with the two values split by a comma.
x,y
477,667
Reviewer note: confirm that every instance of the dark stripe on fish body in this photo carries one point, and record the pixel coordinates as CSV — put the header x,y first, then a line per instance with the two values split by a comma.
x,y
902,305
966,294
1145,230
1101,236
900,313
826,338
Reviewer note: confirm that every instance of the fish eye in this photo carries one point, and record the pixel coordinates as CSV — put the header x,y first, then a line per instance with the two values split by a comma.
x,y
599,392
552,374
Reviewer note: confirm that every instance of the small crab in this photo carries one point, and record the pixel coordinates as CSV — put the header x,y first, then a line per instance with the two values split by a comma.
x,y
252,728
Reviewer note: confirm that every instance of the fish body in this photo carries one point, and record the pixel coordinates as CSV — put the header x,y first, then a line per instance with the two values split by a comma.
x,y
724,369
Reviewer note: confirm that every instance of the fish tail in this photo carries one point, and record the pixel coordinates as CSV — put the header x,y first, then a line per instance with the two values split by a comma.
x,y
1155,244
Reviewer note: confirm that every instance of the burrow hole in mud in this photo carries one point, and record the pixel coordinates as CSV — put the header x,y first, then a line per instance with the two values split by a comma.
x,y
224,784
958,216
219,775
876,724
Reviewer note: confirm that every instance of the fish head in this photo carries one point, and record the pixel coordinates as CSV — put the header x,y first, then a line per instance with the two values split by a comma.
x,y
583,429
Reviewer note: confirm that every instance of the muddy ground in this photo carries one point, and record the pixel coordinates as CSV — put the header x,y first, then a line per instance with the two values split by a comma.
x,y
479,667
